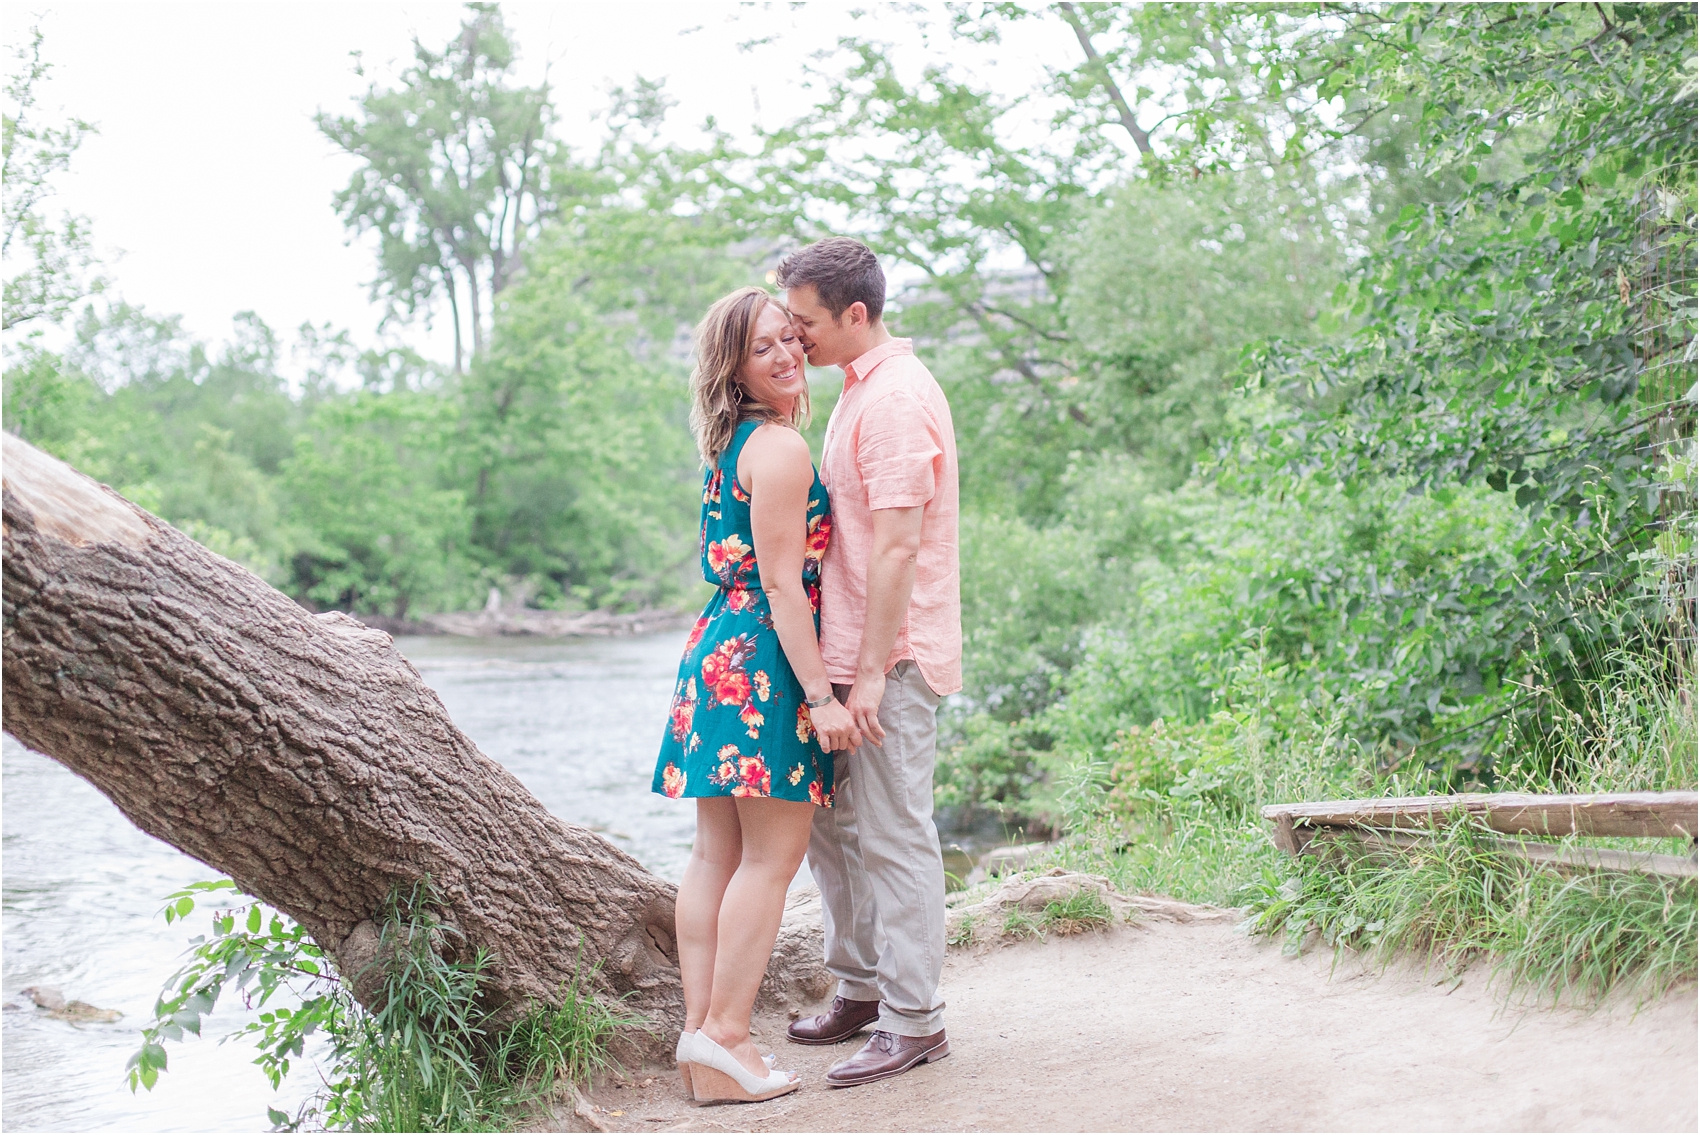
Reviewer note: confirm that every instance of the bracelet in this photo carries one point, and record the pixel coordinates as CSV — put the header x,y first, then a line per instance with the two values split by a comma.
x,y
818,703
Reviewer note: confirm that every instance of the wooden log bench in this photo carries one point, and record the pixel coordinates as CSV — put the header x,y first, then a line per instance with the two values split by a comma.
x,y
1404,821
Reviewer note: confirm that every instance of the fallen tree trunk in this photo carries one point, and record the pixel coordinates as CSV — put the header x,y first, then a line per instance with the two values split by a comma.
x,y
299,754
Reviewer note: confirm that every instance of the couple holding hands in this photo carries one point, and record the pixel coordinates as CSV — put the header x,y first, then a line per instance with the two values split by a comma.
x,y
804,719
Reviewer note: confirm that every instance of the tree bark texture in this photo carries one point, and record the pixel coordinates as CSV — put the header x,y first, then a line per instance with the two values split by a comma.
x,y
299,754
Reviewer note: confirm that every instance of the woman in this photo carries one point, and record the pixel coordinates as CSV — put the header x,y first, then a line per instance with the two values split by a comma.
x,y
753,719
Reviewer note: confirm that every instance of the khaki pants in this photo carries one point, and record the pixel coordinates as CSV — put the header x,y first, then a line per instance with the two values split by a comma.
x,y
875,856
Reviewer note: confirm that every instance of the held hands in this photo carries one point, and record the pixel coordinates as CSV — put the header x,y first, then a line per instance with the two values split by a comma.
x,y
863,705
837,729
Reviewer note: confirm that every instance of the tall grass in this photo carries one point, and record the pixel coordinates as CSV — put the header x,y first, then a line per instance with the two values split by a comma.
x,y
1635,731
434,1056
1173,808
1457,896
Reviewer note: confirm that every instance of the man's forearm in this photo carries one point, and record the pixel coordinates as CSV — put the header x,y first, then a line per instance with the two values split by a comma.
x,y
891,578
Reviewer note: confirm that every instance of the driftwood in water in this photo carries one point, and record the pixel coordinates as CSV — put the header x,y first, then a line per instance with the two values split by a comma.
x,y
299,754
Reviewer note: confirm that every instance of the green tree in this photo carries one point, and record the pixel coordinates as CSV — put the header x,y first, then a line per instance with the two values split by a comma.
x,y
381,531
1211,175
580,469
50,264
1533,336
455,176
930,173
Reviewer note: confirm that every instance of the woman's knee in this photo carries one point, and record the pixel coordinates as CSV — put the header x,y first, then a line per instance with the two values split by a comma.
x,y
719,843
718,861
774,830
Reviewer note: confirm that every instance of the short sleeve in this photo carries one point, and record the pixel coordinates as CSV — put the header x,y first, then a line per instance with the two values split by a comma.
x,y
898,452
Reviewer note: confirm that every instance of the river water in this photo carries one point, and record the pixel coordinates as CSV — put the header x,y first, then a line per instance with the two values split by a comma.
x,y
578,721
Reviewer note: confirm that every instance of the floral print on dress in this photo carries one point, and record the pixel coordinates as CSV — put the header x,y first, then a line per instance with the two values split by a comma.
x,y
729,721
745,775
752,719
753,777
711,498
814,548
723,671
673,780
726,766
684,708
729,558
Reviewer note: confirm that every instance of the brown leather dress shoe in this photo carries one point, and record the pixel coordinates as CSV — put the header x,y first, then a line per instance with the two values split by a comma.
x,y
844,1020
887,1054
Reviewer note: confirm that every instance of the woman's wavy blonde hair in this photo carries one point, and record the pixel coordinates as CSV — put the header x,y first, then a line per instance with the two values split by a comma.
x,y
719,401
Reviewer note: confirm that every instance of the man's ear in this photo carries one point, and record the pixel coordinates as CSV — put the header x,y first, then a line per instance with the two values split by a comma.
x,y
858,313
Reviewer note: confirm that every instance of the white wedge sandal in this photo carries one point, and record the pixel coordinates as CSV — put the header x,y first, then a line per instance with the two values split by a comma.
x,y
682,1055
717,1077
684,1061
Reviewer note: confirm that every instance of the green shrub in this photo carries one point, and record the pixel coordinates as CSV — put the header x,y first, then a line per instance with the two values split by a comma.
x,y
430,1057
992,765
1186,761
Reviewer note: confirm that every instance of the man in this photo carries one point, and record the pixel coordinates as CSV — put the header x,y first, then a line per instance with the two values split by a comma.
x,y
891,636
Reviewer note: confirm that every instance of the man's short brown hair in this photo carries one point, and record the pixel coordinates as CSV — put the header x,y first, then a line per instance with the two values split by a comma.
x,y
842,271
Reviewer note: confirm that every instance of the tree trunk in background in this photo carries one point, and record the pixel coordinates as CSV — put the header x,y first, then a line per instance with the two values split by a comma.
x,y
300,754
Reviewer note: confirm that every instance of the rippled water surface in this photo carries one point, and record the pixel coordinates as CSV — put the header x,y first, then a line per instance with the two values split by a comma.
x,y
577,721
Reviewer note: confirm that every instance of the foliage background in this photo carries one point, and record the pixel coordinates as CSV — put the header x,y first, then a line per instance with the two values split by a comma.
x,y
1323,378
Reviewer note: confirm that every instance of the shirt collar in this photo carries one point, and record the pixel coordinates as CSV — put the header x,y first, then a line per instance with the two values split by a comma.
x,y
868,360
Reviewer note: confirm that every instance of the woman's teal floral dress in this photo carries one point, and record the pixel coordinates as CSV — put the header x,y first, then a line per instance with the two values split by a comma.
x,y
738,725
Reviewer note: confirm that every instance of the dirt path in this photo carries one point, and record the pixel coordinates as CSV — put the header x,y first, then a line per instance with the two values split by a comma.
x,y
1192,1026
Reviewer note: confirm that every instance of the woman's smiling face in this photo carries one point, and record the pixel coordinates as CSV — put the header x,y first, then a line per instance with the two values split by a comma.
x,y
772,374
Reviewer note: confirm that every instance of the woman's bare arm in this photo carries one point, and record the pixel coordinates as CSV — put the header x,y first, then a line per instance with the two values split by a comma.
x,y
774,468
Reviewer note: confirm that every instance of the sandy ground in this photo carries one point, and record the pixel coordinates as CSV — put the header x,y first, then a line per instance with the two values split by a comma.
x,y
1169,1026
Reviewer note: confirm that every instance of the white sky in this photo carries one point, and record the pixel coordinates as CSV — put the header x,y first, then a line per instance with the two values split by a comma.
x,y
209,187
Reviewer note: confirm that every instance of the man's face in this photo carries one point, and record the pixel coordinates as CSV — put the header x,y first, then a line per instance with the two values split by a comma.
x,y
830,342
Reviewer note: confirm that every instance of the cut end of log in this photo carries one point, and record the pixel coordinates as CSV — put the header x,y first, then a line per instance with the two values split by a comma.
x,y
65,504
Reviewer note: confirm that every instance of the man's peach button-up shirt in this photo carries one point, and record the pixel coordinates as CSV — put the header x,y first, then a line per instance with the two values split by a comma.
x,y
890,444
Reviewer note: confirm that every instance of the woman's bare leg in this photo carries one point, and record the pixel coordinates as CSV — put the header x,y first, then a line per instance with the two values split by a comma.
x,y
775,835
696,913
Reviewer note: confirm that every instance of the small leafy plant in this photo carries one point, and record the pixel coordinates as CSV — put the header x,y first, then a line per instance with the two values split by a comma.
x,y
962,934
1081,911
432,1055
259,953
1017,923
